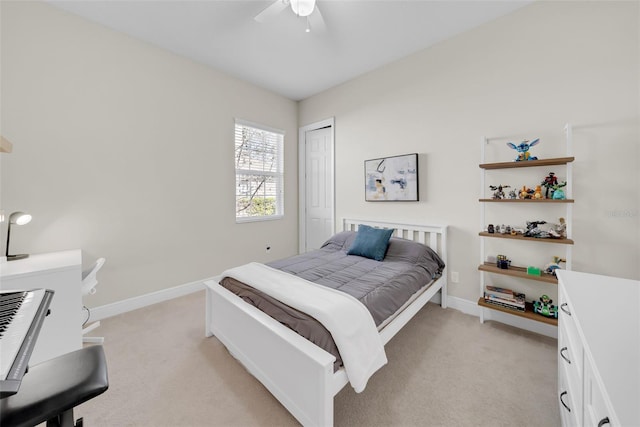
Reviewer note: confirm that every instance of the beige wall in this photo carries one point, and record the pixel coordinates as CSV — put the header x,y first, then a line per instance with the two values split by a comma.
x,y
125,151
522,76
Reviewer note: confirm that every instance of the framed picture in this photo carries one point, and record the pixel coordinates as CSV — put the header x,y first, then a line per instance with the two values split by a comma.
x,y
391,179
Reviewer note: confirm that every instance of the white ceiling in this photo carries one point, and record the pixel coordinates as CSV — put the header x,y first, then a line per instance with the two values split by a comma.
x,y
279,55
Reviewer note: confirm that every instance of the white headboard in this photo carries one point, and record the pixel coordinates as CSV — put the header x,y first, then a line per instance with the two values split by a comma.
x,y
434,236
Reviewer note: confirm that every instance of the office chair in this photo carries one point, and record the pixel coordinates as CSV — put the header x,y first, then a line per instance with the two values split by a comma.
x,y
89,282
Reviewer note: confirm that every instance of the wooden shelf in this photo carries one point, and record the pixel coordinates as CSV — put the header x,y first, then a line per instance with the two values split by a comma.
x,y
544,280
527,200
527,314
528,163
518,272
520,237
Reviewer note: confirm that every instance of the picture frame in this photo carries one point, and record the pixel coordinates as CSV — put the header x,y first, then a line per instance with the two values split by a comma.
x,y
392,179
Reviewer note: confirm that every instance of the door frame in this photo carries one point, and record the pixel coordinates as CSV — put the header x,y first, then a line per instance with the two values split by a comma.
x,y
302,177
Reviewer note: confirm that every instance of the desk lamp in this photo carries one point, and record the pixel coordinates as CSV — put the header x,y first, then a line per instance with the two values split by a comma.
x,y
17,218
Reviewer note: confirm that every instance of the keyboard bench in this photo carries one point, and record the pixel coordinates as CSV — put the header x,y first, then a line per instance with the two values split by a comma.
x,y
51,389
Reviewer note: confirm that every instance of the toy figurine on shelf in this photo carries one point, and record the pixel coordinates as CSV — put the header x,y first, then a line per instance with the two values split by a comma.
x,y
498,191
513,194
502,262
537,194
559,231
523,149
558,194
517,231
545,307
491,229
525,193
548,183
534,231
552,185
553,266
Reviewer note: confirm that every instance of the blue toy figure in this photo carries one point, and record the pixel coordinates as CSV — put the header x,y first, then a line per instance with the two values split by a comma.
x,y
558,195
523,149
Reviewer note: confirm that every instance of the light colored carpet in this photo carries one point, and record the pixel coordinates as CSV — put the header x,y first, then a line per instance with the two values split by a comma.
x,y
445,369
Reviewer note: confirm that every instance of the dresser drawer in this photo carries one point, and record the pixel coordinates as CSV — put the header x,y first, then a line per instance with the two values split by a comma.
x,y
597,411
570,405
570,365
568,335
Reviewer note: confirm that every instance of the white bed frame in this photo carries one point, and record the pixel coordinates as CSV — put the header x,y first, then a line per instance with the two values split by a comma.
x,y
297,372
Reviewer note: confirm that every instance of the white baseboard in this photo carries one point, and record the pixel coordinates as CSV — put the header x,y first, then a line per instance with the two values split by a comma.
x,y
460,304
463,305
113,309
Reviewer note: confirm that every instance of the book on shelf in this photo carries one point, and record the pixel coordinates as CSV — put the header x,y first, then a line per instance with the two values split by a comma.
x,y
500,292
505,305
518,300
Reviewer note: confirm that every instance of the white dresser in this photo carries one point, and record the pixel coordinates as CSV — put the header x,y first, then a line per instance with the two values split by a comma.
x,y
598,350
62,273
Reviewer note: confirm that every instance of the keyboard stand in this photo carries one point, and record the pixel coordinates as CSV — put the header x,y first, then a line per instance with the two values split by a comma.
x,y
51,389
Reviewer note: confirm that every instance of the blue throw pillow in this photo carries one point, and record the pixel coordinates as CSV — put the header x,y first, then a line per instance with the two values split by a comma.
x,y
371,242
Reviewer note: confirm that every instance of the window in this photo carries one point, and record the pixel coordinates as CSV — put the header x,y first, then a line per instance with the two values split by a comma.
x,y
259,172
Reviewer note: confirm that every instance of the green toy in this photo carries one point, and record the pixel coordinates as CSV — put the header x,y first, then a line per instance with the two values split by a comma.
x,y
534,271
545,307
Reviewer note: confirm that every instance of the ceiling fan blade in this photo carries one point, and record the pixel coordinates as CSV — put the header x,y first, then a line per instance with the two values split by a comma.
x,y
316,21
272,10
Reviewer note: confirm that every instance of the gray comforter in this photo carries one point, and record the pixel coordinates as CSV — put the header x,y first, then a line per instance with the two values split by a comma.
x,y
382,286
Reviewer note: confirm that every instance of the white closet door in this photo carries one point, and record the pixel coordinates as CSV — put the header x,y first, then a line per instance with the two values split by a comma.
x,y
319,193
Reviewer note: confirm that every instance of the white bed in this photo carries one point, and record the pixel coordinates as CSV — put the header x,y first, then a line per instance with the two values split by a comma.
x,y
306,384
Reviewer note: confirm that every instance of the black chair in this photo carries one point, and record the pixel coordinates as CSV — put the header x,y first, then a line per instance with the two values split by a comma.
x,y
51,389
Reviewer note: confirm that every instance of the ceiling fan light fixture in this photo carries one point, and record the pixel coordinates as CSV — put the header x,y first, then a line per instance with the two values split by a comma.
x,y
303,7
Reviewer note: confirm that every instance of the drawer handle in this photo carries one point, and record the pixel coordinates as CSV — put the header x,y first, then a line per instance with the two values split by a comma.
x,y
563,356
562,307
562,401
604,421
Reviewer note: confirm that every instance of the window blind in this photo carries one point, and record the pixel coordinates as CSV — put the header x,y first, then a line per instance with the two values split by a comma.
x,y
259,168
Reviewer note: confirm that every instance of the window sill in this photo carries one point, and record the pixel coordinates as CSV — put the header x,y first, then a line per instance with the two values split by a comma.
x,y
259,218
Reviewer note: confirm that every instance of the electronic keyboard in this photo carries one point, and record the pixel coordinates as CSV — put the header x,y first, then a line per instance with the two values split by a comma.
x,y
21,316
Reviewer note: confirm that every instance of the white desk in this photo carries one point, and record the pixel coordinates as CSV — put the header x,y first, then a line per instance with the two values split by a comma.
x,y
62,273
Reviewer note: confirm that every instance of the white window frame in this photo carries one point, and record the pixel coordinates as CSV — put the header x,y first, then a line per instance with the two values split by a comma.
x,y
277,137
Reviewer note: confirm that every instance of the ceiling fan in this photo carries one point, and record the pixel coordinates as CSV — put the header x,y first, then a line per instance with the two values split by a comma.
x,y
303,8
